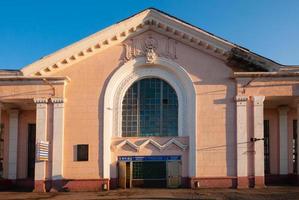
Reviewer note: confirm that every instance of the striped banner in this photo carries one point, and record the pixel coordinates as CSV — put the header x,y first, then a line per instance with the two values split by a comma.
x,y
42,151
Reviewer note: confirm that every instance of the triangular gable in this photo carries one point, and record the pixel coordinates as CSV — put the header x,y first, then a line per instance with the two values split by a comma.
x,y
150,19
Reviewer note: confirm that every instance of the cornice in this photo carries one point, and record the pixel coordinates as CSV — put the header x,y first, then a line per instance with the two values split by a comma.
x,y
150,19
265,74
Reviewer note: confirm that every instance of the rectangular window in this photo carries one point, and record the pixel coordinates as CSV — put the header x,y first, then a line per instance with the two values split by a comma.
x,y
267,146
82,152
294,150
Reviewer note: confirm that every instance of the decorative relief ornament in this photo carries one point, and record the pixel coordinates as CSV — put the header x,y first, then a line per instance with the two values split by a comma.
x,y
150,48
151,45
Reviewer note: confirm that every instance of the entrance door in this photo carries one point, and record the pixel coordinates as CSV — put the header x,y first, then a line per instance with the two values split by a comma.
x,y
125,174
31,151
173,174
128,174
122,174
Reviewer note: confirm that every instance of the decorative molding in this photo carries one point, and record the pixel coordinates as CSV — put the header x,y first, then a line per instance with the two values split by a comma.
x,y
147,20
149,47
241,100
160,147
40,100
124,142
258,100
283,109
127,78
56,100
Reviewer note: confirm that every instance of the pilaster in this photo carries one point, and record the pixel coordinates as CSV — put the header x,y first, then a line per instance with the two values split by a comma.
x,y
58,138
41,136
242,141
283,140
13,144
258,129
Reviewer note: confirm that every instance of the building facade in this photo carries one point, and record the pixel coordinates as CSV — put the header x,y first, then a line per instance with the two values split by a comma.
x,y
151,101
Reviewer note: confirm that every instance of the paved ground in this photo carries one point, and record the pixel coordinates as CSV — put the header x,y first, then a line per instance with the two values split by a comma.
x,y
273,193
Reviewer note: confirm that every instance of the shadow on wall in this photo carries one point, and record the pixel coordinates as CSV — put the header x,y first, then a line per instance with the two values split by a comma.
x,y
101,114
227,100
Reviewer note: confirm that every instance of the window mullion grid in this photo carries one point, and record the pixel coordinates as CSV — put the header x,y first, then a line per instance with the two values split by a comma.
x,y
161,107
138,109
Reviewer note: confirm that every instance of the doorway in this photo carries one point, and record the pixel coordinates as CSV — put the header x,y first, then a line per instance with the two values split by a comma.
x,y
31,151
149,172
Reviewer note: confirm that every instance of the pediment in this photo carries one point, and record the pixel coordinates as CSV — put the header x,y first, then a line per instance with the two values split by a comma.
x,y
148,20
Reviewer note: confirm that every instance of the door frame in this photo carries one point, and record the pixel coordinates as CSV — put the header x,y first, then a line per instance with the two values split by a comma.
x,y
179,176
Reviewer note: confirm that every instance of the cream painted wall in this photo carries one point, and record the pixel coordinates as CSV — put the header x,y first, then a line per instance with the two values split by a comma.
x,y
215,93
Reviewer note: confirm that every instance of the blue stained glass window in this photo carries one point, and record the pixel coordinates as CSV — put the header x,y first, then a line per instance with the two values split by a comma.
x,y
150,108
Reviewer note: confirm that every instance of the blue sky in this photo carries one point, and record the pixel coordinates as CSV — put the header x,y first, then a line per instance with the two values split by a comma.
x,y
31,29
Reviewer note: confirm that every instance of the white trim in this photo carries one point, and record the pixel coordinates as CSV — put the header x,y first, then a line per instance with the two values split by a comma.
x,y
283,140
41,134
160,147
13,144
242,136
258,129
58,138
135,70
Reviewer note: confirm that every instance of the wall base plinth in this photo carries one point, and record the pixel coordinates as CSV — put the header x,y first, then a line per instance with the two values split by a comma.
x,y
213,182
259,181
39,186
92,185
243,182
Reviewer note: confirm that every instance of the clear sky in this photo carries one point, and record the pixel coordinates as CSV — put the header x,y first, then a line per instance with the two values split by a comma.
x,y
31,29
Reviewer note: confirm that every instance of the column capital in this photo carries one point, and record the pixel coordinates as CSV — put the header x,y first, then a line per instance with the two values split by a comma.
x,y
57,100
258,100
283,109
13,111
241,100
40,100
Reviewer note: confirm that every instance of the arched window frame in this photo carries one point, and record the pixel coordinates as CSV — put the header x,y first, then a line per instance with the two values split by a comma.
x,y
141,73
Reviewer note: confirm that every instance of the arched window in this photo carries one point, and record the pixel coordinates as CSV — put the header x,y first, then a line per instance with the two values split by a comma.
x,y
150,108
